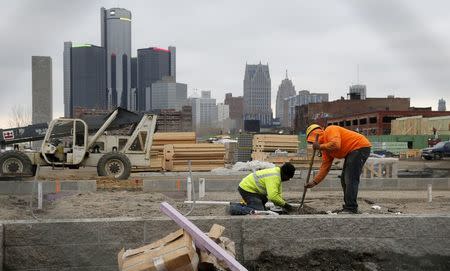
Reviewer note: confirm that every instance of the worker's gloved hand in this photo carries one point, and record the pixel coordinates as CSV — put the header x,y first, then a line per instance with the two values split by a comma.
x,y
316,146
288,207
310,184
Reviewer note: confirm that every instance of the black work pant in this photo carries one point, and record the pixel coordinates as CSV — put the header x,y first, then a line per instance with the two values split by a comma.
x,y
253,200
350,176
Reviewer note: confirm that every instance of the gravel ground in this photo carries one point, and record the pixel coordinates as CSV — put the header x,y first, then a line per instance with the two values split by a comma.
x,y
106,204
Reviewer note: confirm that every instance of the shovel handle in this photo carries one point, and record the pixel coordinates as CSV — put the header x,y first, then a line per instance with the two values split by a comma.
x,y
311,162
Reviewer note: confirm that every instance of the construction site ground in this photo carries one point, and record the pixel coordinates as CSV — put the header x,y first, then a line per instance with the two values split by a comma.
x,y
108,204
128,200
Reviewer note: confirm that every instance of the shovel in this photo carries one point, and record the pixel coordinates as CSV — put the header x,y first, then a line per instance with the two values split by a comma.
x,y
309,175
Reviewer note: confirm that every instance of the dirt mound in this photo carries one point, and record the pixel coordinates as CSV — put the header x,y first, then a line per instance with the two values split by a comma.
x,y
307,210
345,260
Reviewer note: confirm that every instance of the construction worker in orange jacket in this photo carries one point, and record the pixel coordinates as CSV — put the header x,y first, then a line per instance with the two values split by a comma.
x,y
338,142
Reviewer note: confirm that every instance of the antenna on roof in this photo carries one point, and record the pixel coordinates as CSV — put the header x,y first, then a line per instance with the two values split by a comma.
x,y
286,74
357,74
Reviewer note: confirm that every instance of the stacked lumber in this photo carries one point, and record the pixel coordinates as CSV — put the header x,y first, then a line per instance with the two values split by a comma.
x,y
231,152
271,143
161,139
266,145
203,156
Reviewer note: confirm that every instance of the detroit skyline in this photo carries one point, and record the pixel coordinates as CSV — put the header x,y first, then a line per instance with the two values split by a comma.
x,y
320,55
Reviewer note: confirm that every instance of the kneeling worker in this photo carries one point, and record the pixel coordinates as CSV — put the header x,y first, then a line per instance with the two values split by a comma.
x,y
264,185
338,142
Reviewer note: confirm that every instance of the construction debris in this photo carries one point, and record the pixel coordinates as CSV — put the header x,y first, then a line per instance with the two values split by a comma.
x,y
202,241
173,252
209,261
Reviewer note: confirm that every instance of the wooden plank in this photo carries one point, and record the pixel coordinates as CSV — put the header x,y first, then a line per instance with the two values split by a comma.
x,y
200,238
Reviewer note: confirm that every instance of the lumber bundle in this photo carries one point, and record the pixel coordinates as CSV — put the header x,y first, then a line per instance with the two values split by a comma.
x,y
265,146
161,139
203,156
231,152
279,149
271,143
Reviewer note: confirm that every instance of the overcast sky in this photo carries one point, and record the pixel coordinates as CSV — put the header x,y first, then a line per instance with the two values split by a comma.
x,y
401,47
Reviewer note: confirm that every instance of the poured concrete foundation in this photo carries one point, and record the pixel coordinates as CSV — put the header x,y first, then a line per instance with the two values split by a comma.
x,y
93,244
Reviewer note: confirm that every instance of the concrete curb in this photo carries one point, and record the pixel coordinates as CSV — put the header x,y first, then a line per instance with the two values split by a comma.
x,y
26,187
93,244
1,247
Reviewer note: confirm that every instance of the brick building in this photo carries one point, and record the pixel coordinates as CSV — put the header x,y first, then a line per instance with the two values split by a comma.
x,y
171,120
321,112
378,122
236,108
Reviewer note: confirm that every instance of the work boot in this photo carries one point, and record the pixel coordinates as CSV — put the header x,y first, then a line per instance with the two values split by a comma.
x,y
346,211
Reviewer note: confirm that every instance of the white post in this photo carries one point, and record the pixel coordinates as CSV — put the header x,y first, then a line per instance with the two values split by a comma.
x,y
189,188
430,196
201,187
39,195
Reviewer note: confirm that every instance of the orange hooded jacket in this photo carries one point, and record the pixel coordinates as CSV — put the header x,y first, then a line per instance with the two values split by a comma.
x,y
337,142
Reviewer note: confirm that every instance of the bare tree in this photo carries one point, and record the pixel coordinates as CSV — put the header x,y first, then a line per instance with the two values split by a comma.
x,y
19,116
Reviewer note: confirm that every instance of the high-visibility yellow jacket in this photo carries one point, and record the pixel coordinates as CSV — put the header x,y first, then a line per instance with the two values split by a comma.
x,y
266,182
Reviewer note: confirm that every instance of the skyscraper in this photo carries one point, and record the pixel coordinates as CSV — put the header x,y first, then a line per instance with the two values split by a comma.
x,y
441,105
303,97
152,65
116,39
84,78
42,89
285,90
204,111
236,105
132,94
168,94
257,92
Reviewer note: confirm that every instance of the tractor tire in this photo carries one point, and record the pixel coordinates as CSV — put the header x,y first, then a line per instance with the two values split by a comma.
x,y
115,165
15,163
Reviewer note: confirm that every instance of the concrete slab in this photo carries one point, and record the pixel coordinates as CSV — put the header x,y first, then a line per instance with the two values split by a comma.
x,y
27,187
93,244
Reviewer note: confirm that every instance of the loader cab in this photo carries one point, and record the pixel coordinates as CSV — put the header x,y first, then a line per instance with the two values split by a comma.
x,y
65,142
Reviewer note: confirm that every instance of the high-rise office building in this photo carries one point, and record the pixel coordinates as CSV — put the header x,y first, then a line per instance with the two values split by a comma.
x,y
223,112
441,105
152,65
168,94
236,108
116,39
204,110
42,89
84,78
285,90
303,97
132,94
257,94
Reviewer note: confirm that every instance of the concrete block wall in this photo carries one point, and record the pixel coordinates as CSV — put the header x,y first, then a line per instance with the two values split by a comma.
x,y
1,247
93,244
